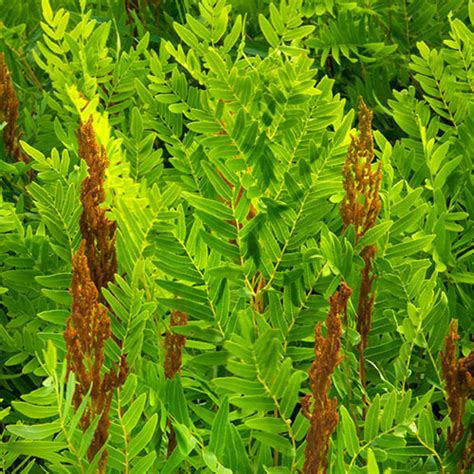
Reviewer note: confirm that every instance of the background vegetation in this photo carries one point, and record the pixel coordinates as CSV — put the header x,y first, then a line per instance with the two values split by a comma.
x,y
266,283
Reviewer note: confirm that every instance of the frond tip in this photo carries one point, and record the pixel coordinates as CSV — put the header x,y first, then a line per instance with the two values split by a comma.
x,y
323,415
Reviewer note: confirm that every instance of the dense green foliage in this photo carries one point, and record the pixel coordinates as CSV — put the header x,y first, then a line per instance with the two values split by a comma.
x,y
226,125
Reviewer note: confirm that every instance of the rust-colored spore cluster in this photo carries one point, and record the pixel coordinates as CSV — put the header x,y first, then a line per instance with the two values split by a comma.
x,y
323,414
97,230
9,113
174,344
87,330
361,204
361,207
459,377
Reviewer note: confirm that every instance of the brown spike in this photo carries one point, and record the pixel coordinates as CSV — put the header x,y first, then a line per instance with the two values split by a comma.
x,y
361,204
323,414
174,344
9,112
459,377
87,330
97,230
361,207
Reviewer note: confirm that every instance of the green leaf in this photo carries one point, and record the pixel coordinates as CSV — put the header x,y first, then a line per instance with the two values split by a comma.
x,y
267,424
198,28
214,208
349,432
275,441
372,466
375,233
371,426
35,411
55,316
143,464
133,414
408,248
268,31
140,440
173,462
184,291
58,280
17,359
388,413
276,19
62,297
231,38
47,11
420,404
426,426
187,36
38,431
252,403
216,63
51,357
33,152
298,33
224,248
177,401
219,429
290,395
445,171
40,449
185,440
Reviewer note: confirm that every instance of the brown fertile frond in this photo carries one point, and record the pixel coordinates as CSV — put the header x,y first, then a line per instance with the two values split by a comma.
x,y
323,415
174,344
87,330
466,368
9,113
97,230
456,399
361,204
459,377
361,207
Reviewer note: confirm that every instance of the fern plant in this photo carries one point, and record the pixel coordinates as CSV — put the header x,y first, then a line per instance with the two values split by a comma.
x,y
226,145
